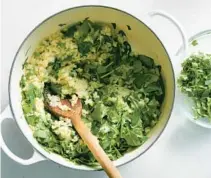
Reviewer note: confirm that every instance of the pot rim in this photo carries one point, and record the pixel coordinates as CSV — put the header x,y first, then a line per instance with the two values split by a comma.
x,y
85,6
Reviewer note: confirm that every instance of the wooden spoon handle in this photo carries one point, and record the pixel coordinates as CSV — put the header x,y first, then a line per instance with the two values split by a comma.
x,y
95,148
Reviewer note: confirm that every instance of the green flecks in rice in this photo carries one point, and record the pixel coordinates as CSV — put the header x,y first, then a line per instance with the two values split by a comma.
x,y
121,92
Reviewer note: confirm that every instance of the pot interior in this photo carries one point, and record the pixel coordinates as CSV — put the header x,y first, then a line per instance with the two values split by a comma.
x,y
142,40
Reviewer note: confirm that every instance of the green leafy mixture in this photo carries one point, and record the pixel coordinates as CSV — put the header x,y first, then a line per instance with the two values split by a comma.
x,y
195,81
121,92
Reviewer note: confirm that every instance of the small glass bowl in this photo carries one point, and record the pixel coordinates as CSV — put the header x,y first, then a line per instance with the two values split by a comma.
x,y
201,42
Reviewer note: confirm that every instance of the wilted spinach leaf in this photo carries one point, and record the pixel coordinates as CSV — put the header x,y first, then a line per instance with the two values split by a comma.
x,y
145,79
84,28
114,25
97,113
70,31
84,47
146,61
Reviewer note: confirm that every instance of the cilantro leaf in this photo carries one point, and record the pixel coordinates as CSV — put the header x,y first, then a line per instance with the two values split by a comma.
x,y
193,82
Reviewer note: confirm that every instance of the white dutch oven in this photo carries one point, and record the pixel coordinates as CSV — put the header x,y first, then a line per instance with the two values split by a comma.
x,y
143,40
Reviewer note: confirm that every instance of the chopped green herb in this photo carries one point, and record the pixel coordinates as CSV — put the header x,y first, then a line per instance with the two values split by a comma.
x,y
128,27
194,42
84,47
32,120
36,54
114,25
54,88
121,32
195,81
62,24
60,44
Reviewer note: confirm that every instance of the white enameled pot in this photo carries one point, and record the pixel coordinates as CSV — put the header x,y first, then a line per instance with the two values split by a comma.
x,y
143,40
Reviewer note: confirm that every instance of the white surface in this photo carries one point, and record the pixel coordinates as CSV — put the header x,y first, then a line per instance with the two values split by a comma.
x,y
184,149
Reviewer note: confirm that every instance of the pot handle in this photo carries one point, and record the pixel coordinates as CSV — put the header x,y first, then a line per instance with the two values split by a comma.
x,y
177,25
36,157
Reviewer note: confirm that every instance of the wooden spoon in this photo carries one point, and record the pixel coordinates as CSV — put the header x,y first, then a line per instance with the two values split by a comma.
x,y
75,115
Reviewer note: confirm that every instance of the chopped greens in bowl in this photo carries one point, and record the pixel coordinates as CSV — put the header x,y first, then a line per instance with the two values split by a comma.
x,y
121,92
195,81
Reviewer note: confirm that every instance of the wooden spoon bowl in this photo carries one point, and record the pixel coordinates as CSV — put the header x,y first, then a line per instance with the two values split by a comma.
x,y
74,113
